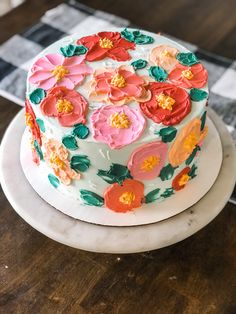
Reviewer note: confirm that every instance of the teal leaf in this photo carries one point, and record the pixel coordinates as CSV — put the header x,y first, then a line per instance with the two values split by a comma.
x,y
152,196
192,172
167,172
192,156
167,134
203,119
37,96
198,94
81,131
41,124
73,50
187,58
117,173
80,163
38,150
158,73
91,198
137,37
167,193
139,64
53,180
69,142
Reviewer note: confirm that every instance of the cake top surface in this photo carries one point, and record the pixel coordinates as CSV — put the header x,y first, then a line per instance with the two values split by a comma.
x,y
117,87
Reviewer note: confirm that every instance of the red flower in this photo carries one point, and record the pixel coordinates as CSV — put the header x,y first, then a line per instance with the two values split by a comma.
x,y
106,44
168,105
187,77
181,179
31,122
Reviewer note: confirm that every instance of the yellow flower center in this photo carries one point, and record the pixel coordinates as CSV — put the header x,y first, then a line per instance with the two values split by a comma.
x,y
190,142
118,80
59,72
105,43
188,74
165,102
184,179
55,159
29,120
166,53
127,198
149,163
119,121
64,106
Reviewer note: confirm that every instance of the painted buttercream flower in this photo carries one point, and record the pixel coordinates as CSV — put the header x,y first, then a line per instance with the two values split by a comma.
x,y
118,86
35,156
117,126
56,156
164,56
31,122
125,197
56,70
188,77
147,160
168,104
106,44
187,139
67,105
181,179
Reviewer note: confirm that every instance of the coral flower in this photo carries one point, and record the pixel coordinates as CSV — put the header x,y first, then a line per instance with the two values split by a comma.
x,y
185,142
147,160
56,156
181,179
31,122
67,105
118,86
168,104
55,70
164,56
106,44
188,77
125,197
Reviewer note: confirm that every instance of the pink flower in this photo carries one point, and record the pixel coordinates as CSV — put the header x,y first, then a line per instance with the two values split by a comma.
x,y
67,105
147,160
164,56
119,86
117,126
56,156
56,70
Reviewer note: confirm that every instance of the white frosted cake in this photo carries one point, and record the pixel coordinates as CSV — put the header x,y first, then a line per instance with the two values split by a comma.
x,y
117,118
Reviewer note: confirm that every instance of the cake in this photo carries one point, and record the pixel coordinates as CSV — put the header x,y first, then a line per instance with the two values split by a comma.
x,y
117,118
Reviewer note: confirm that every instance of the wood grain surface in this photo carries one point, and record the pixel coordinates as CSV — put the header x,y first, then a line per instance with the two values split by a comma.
x,y
198,275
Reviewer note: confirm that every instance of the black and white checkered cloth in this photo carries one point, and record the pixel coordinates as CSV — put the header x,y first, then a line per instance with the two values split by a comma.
x,y
16,55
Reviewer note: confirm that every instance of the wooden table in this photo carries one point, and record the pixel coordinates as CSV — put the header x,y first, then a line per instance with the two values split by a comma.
x,y
198,275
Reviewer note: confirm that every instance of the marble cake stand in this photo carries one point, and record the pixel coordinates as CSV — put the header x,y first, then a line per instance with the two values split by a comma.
x,y
96,238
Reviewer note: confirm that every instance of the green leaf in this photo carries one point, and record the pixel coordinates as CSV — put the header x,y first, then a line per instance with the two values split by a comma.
x,y
203,119
158,73
38,150
198,94
80,163
70,142
137,37
53,180
81,131
167,172
192,172
167,134
41,124
168,192
37,95
193,154
91,198
117,173
139,64
152,196
73,50
187,58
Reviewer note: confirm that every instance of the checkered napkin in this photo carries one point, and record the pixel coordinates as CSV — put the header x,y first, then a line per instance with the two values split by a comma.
x,y
17,53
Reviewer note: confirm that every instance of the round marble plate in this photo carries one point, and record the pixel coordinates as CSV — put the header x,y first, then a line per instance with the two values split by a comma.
x,y
107,239
210,159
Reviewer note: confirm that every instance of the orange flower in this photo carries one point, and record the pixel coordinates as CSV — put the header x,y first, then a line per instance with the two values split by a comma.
x,y
181,179
125,197
190,136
